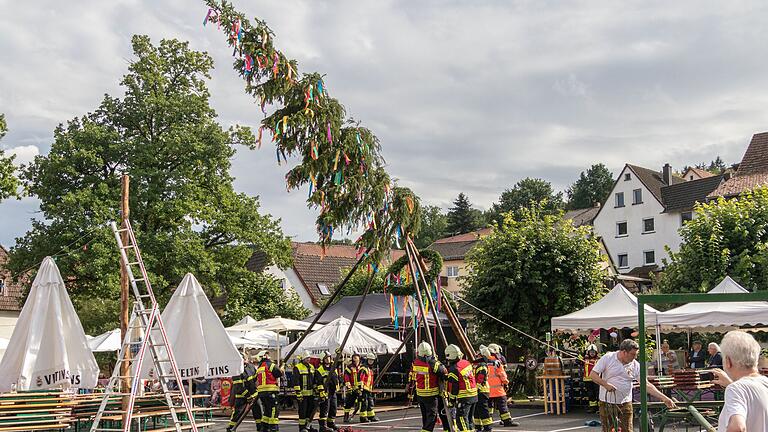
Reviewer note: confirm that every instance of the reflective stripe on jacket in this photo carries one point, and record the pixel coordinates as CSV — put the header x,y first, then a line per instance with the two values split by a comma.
x,y
303,379
266,377
497,378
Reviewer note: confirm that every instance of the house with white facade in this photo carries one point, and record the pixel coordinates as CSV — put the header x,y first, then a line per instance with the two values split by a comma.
x,y
643,214
11,294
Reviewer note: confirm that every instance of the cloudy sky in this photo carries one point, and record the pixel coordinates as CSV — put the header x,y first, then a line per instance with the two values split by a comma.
x,y
466,95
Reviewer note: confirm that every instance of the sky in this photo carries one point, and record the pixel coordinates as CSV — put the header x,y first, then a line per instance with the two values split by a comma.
x,y
465,95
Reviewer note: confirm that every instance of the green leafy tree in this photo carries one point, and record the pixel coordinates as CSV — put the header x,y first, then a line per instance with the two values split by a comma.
x,y
726,238
529,270
185,212
434,226
357,282
9,183
527,193
593,186
462,218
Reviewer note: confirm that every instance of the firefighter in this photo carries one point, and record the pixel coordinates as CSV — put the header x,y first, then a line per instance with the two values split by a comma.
x,y
326,385
352,385
462,389
267,375
244,391
303,378
498,381
426,374
590,360
482,417
367,402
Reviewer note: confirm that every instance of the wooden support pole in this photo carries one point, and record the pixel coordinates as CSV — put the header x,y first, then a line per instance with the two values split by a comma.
x,y
125,297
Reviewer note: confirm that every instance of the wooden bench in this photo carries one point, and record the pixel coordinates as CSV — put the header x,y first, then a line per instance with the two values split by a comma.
x,y
29,411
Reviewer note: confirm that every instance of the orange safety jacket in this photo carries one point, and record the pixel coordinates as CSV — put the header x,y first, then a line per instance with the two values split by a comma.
x,y
461,381
589,364
497,378
266,377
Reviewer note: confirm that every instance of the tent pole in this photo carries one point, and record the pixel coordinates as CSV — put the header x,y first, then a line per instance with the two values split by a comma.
x,y
658,348
329,302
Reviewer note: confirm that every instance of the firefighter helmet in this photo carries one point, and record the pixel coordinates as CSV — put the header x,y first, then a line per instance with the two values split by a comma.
x,y
494,348
424,349
485,351
453,352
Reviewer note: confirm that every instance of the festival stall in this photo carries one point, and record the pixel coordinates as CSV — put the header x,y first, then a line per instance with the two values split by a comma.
x,y
361,340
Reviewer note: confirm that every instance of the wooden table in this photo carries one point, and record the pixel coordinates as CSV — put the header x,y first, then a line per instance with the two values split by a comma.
x,y
554,393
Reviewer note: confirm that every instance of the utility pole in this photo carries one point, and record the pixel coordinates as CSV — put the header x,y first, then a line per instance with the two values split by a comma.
x,y
125,297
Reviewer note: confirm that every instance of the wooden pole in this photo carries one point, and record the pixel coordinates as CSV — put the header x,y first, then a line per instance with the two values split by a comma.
x,y
125,298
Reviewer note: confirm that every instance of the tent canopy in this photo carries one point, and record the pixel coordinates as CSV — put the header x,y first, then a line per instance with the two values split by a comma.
x,y
617,309
48,347
374,313
276,324
717,316
362,339
105,342
256,338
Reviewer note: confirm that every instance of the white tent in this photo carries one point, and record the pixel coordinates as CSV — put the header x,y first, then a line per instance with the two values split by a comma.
x,y
256,338
617,309
105,342
201,345
48,347
276,324
362,339
717,316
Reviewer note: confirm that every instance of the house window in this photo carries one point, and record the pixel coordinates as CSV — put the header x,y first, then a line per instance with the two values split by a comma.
x,y
648,226
637,196
323,289
283,283
649,257
453,271
2,287
623,261
685,217
621,229
690,178
619,199
627,177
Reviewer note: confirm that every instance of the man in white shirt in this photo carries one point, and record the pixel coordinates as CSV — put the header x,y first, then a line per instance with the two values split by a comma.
x,y
614,373
746,391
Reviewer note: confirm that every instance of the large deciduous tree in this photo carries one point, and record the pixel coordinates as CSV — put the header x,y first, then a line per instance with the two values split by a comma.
x,y
9,183
530,269
184,209
528,192
593,186
434,226
726,238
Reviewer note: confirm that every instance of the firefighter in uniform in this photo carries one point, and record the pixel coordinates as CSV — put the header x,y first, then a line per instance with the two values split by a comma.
x,y
482,417
590,360
244,391
304,388
426,374
498,381
267,375
326,385
462,389
367,402
352,385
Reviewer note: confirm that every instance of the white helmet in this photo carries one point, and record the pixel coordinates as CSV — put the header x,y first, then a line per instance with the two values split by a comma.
x,y
485,351
592,347
370,356
424,349
260,355
453,352
302,355
494,348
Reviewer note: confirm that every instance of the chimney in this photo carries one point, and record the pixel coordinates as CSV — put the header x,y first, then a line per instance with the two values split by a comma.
x,y
667,174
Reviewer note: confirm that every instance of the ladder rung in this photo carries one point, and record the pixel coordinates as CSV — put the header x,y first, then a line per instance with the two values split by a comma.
x,y
139,280
121,230
128,247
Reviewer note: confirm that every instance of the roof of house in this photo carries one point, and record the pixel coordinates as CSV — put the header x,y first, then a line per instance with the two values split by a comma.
x,y
456,247
653,180
752,171
643,271
10,298
470,236
582,216
257,262
699,172
683,196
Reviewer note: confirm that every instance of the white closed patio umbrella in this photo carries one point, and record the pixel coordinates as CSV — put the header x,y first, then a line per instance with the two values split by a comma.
x,y
48,348
361,340
277,324
201,346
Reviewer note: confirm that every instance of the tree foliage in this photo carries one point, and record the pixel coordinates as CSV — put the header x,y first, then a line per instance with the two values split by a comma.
x,y
529,270
715,166
528,192
9,183
185,212
593,186
434,226
726,238
462,218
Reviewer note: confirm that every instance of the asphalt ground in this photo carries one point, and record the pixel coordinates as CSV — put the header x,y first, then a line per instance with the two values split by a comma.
x,y
410,420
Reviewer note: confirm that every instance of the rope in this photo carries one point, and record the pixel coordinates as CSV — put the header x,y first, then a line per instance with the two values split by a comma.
x,y
565,353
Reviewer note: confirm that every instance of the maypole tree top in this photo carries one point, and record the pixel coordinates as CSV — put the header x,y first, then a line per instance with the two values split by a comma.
x,y
335,156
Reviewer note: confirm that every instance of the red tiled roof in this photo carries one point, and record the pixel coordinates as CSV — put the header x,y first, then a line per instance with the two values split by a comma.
x,y
10,298
470,236
344,251
752,172
700,172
